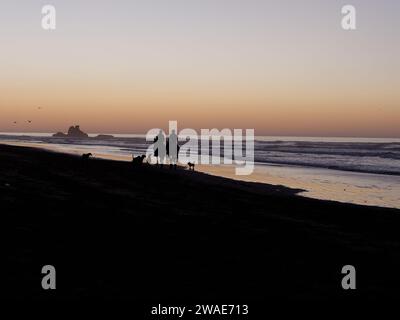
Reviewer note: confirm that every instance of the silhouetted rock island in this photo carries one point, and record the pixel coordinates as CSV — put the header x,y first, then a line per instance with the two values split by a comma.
x,y
73,132
104,137
76,132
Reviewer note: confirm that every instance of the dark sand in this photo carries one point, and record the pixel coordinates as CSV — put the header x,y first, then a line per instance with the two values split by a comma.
x,y
117,231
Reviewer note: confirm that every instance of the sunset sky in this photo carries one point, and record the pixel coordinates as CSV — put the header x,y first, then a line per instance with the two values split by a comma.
x,y
280,67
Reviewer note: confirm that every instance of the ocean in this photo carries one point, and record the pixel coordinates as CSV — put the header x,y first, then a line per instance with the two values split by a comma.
x,y
354,170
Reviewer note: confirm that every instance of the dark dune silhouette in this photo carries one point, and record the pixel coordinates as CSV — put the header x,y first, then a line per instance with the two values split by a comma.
x,y
119,231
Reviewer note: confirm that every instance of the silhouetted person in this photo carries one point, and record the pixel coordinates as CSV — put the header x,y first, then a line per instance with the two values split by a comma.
x,y
159,148
172,149
155,147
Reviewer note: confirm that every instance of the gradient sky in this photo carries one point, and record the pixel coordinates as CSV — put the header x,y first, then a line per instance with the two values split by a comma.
x,y
281,67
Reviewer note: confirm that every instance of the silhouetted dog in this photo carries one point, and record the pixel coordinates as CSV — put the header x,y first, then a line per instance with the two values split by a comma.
x,y
191,166
86,156
137,161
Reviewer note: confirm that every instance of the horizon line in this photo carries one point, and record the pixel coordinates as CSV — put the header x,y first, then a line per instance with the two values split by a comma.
x,y
256,136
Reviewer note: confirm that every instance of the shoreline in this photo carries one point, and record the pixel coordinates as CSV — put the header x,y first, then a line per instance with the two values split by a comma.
x,y
345,186
166,232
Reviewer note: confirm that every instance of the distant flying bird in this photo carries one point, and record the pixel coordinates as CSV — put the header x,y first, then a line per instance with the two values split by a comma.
x,y
30,121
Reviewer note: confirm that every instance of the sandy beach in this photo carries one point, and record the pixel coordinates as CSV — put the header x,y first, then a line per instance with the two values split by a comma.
x,y
115,231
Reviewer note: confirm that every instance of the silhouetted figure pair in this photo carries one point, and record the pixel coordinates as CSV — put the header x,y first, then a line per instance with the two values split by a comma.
x,y
169,148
